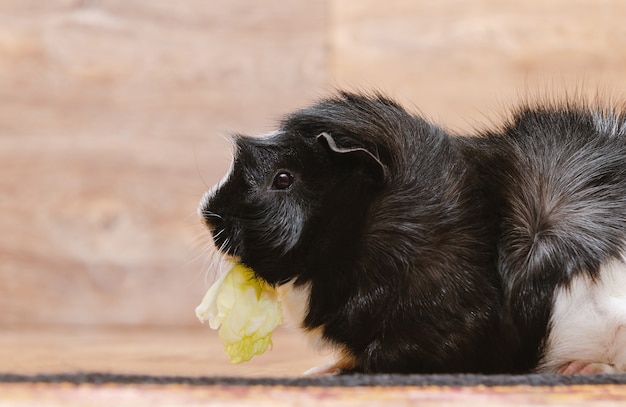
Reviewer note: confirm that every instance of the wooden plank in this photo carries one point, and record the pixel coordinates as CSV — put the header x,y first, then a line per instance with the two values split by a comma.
x,y
113,117
168,351
461,62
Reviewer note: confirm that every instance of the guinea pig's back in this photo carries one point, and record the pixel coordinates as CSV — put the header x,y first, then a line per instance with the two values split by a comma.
x,y
560,182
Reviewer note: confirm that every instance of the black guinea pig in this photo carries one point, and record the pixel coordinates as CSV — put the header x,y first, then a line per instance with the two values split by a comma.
x,y
412,250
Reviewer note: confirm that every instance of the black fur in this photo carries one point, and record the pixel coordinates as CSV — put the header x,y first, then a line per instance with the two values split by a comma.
x,y
424,251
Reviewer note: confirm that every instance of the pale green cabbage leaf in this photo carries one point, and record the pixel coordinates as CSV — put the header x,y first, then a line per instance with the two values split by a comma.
x,y
246,311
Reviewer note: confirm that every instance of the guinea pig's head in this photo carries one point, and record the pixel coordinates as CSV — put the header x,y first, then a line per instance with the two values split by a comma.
x,y
292,200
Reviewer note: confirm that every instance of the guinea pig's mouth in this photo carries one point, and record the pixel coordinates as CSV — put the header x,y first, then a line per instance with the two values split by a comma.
x,y
224,243
220,233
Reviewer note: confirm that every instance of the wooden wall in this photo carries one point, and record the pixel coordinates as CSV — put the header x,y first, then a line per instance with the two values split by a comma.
x,y
113,117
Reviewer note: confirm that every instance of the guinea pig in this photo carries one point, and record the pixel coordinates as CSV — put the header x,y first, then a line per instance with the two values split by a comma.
x,y
409,249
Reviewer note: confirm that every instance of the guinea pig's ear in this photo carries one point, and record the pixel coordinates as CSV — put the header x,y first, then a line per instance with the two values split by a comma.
x,y
376,167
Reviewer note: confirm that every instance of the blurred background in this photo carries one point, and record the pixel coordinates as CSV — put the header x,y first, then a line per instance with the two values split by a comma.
x,y
113,122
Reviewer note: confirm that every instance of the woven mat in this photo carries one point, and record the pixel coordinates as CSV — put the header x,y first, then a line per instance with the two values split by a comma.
x,y
389,390
93,389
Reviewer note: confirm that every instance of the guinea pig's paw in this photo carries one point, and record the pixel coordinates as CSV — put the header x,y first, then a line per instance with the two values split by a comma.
x,y
578,367
327,369
340,366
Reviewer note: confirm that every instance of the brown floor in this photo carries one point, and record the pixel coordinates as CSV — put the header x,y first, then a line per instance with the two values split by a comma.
x,y
171,351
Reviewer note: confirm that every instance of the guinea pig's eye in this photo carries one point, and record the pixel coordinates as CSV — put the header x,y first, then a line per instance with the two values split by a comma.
x,y
282,180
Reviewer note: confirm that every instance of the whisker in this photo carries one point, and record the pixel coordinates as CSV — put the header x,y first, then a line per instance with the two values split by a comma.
x,y
215,269
192,216
218,234
195,158
210,214
225,246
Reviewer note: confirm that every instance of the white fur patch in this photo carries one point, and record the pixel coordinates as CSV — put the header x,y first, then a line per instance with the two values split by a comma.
x,y
295,304
588,321
270,135
609,123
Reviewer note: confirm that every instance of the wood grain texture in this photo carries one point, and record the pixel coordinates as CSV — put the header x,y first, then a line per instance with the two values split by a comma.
x,y
463,63
113,117
167,351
